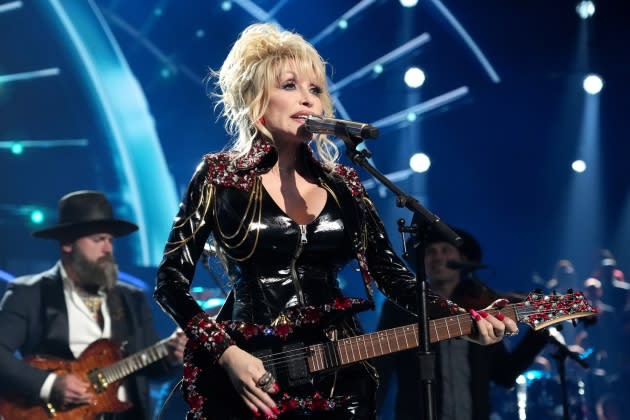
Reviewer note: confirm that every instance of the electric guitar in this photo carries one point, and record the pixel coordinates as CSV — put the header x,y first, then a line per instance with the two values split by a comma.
x,y
296,356
101,366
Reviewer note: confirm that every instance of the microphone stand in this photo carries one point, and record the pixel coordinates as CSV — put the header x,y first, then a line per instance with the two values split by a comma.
x,y
560,355
428,222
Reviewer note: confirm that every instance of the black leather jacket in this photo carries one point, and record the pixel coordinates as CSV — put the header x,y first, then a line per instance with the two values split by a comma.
x,y
270,267
278,269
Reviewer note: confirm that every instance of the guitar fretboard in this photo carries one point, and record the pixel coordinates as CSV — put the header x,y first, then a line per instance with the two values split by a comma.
x,y
355,349
135,362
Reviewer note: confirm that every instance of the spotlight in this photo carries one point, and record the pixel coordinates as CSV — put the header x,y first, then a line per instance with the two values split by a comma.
x,y
585,9
37,217
226,6
414,77
343,24
419,162
578,166
378,69
17,148
165,72
408,3
593,84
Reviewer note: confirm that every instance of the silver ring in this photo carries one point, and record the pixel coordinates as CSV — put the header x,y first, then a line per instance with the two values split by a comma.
x,y
265,381
512,334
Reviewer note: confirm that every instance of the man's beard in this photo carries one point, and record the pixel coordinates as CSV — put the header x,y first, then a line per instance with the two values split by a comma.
x,y
94,276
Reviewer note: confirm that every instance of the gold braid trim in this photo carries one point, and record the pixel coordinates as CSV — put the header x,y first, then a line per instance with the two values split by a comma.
x,y
256,192
255,197
330,190
205,201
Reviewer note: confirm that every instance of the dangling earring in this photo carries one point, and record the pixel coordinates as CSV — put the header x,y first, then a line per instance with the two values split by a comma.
x,y
262,120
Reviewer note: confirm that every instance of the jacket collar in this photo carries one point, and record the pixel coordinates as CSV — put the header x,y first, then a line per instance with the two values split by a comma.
x,y
262,150
263,155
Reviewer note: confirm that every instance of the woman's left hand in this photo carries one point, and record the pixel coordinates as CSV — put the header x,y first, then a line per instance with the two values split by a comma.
x,y
491,329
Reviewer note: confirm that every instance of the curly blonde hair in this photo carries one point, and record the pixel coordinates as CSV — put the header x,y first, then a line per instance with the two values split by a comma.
x,y
252,67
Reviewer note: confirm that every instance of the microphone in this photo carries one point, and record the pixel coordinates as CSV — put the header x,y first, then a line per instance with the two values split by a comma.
x,y
341,128
466,266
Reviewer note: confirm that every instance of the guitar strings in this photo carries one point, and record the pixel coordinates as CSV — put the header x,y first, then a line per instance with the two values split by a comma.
x,y
279,359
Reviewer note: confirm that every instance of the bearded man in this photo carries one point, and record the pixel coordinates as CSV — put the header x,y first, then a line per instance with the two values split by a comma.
x,y
62,311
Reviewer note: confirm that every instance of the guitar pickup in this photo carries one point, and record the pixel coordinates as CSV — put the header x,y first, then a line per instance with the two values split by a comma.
x,y
98,381
293,371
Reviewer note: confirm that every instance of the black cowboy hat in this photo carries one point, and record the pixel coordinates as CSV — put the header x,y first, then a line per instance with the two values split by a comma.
x,y
470,248
83,213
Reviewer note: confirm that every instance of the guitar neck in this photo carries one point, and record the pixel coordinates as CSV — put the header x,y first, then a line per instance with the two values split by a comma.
x,y
135,362
355,349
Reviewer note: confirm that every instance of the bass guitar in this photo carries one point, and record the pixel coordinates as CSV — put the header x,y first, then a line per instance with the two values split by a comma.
x,y
295,356
102,366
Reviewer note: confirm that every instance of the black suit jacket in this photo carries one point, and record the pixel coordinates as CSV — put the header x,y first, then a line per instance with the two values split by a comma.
x,y
34,320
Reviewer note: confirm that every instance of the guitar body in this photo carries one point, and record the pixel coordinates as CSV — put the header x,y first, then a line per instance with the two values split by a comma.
x,y
208,389
100,353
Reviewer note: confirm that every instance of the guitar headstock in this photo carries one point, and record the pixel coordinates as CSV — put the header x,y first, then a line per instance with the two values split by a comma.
x,y
541,311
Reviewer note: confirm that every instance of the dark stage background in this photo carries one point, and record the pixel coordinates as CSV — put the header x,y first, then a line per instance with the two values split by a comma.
x,y
109,95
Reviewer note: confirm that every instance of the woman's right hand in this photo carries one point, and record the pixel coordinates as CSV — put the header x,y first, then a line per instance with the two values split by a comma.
x,y
245,371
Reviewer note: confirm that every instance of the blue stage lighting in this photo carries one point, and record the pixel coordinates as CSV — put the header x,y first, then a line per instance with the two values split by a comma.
x,y
37,217
593,84
408,3
578,166
414,77
585,9
419,162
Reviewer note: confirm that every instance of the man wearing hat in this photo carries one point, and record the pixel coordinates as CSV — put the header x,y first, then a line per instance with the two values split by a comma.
x,y
464,370
60,312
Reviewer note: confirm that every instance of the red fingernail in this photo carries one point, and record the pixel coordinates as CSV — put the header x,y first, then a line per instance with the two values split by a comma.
x,y
499,316
483,314
275,410
255,411
475,314
276,388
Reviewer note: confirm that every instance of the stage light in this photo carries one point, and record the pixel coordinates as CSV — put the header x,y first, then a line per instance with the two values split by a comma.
x,y
585,9
6,276
578,166
165,73
593,84
411,116
37,216
414,77
226,6
408,3
378,69
419,162
17,148
200,33
343,24
158,11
